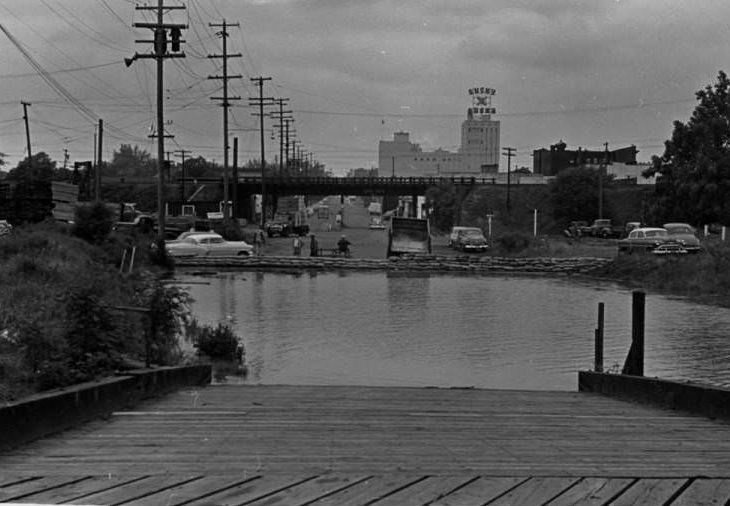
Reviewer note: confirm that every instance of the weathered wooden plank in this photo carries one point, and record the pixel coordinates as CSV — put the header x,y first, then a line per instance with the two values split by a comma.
x,y
535,491
6,481
76,490
138,489
479,491
590,491
25,488
309,491
425,491
369,490
191,491
253,490
649,491
704,492
361,430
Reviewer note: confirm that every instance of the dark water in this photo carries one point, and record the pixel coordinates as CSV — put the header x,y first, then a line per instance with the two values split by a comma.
x,y
450,330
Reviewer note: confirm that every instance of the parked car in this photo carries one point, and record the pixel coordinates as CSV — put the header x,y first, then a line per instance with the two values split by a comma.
x,y
645,239
469,239
684,234
454,233
577,229
278,228
189,233
208,244
604,228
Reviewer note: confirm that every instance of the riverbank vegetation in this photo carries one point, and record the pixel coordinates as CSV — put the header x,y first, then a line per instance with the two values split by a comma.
x,y
704,275
67,313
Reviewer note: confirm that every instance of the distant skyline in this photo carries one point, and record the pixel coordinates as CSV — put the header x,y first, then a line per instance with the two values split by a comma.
x,y
356,71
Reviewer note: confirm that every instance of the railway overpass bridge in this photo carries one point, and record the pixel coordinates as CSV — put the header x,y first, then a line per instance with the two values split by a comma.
x,y
246,187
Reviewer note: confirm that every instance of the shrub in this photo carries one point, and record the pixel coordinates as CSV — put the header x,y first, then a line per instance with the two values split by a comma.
x,y
217,343
93,223
513,242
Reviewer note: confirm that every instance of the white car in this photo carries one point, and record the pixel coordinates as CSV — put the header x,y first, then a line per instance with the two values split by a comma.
x,y
210,244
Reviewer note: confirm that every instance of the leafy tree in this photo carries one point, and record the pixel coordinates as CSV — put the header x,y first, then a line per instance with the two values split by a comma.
x,y
39,167
442,202
694,171
131,161
574,193
200,167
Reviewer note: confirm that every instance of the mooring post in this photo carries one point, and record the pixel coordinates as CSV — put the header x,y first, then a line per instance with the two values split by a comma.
x,y
637,331
634,364
598,362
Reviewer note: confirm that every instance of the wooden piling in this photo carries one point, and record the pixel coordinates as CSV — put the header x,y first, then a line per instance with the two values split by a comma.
x,y
634,364
598,359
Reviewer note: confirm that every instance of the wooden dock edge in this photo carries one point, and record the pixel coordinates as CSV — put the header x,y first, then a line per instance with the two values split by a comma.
x,y
50,412
710,401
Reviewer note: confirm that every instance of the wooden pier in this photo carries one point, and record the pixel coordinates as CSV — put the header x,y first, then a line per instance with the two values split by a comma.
x,y
297,445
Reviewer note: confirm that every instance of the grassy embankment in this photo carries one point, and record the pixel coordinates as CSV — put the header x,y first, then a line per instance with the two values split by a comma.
x,y
61,320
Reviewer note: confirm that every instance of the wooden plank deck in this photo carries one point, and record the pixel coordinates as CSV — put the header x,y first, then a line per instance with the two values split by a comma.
x,y
356,445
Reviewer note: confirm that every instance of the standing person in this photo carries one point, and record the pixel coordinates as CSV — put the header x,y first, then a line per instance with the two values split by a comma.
x,y
313,246
297,246
258,242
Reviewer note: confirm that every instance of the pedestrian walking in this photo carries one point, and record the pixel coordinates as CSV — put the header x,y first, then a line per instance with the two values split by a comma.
x,y
297,246
313,246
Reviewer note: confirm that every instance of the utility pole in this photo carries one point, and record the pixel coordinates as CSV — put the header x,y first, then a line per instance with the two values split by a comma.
x,y
235,176
97,172
281,102
159,29
600,180
27,130
509,153
261,101
182,169
287,132
225,104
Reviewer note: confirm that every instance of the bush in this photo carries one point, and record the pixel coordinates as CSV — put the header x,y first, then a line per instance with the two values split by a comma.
x,y
513,242
218,343
93,223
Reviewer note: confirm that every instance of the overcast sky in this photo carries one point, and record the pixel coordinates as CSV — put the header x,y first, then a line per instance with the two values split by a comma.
x,y
356,71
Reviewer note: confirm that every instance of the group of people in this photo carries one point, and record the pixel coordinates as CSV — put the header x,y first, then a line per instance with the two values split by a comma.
x,y
343,246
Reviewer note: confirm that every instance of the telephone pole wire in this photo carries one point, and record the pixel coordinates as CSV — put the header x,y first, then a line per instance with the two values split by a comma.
x,y
160,29
261,101
509,153
225,104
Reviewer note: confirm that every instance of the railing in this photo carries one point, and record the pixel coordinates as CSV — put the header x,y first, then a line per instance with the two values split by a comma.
x,y
355,181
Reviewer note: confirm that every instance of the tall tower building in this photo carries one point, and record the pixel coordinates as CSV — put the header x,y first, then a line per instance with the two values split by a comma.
x,y
480,134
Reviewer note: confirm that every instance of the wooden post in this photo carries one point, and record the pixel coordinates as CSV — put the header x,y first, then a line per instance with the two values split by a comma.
x,y
598,359
637,330
634,364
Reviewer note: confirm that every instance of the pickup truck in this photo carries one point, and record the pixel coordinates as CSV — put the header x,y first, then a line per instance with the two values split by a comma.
x,y
604,228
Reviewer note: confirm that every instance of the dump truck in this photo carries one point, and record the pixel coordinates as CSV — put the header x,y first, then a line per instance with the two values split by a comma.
x,y
408,236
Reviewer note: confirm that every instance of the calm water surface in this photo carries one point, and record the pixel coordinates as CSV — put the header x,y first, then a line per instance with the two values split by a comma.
x,y
381,329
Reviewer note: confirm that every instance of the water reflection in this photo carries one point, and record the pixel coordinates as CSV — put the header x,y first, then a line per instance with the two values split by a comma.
x,y
451,330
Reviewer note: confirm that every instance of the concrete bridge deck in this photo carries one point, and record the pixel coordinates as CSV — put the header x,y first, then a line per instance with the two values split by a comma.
x,y
296,445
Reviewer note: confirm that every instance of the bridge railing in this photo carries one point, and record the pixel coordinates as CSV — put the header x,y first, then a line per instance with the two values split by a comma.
x,y
364,181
